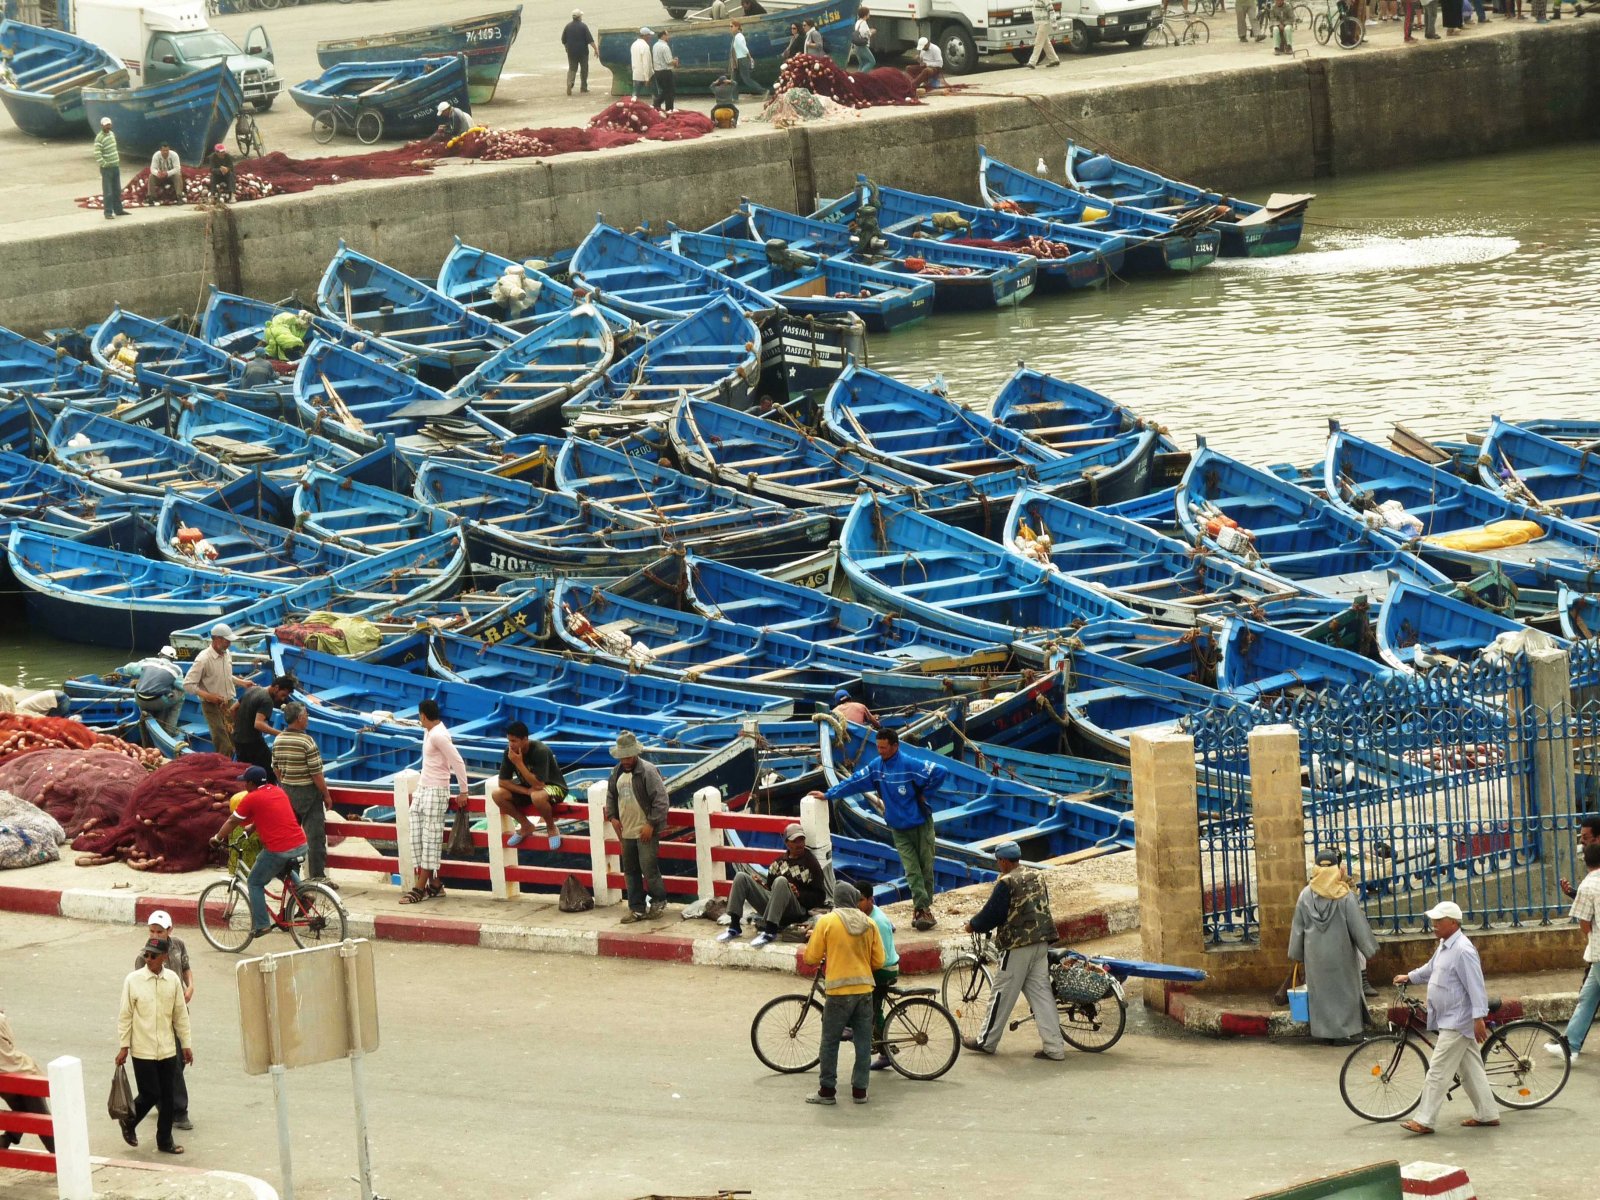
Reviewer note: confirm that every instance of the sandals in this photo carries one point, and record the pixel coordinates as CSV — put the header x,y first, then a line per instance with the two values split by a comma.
x,y
416,896
1415,1127
435,890
1474,1123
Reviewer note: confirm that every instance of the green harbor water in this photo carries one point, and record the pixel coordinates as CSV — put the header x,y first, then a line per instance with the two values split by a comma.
x,y
1437,296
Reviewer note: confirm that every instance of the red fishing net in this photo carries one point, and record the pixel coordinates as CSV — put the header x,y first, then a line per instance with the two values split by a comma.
x,y
857,89
82,789
20,733
1036,246
169,818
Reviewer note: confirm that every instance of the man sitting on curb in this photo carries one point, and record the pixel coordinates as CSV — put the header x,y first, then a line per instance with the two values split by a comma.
x,y
794,887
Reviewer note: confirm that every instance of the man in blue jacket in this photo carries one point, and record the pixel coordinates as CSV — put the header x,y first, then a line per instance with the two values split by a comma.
x,y
904,786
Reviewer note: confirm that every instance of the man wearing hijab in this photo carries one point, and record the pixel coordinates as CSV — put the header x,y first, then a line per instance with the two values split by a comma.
x,y
1330,937
847,941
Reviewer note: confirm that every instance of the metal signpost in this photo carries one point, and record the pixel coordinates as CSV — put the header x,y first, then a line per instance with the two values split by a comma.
x,y
305,1007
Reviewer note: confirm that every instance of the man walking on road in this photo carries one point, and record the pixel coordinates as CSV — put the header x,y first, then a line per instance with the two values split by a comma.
x,y
1586,912
212,680
903,785
1018,910
109,160
152,1023
846,942
636,808
1458,1002
1044,32
578,41
741,63
297,762
159,929
641,63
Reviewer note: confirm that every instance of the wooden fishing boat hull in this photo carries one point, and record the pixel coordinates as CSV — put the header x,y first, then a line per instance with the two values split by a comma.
x,y
191,113
484,42
405,94
50,69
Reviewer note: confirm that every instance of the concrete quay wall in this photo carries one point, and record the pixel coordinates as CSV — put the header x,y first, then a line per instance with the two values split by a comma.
x,y
1234,129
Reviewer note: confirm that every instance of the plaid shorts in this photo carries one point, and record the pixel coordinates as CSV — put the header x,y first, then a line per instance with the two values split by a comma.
x,y
428,806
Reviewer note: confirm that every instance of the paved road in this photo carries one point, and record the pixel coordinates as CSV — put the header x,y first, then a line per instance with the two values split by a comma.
x,y
519,1075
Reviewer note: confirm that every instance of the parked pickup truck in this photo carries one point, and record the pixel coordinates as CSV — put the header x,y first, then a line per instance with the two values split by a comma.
x,y
160,40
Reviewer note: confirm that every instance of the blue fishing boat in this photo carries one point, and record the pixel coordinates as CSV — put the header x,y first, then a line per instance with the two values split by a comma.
x,y
237,325
129,458
40,496
908,562
101,597
399,98
714,352
196,534
191,113
163,357
1248,231
702,44
422,571
964,278
648,282
1067,417
1069,256
1111,700
54,378
1157,241
637,636
1255,660
923,432
356,400
363,517
516,670
778,462
1541,471
1139,567
468,276
410,316
47,71
253,440
1262,521
1462,529
517,528
1420,629
609,479
1579,613
483,41
811,284
524,386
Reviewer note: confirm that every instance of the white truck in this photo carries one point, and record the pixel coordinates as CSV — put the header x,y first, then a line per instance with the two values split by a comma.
x,y
160,40
965,30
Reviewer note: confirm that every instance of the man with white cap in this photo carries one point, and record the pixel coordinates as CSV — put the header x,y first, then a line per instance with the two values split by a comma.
x,y
1018,911
795,885
109,159
641,63
212,680
453,122
158,687
636,809
1458,1002
577,39
159,928
929,70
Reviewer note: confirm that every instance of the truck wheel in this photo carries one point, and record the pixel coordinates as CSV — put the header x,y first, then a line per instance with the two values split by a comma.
x,y
1078,39
262,105
1022,57
677,14
1137,39
959,50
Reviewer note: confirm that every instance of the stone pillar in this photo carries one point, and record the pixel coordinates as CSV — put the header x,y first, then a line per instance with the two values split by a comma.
x,y
1275,799
1166,823
1552,792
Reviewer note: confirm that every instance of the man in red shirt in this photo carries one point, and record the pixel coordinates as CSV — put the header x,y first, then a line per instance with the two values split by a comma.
x,y
268,808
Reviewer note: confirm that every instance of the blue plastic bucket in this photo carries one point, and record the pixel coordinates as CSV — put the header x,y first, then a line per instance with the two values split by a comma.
x,y
1299,1006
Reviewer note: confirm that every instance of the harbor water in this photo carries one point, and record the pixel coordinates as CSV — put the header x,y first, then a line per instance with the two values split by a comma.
x,y
1435,296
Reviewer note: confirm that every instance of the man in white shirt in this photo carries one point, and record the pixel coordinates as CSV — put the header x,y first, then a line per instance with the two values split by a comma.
x,y
151,1024
1044,30
212,680
741,64
642,62
929,71
664,66
166,176
440,761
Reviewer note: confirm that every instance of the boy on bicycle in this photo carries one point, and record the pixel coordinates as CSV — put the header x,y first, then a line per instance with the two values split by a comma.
x,y
267,807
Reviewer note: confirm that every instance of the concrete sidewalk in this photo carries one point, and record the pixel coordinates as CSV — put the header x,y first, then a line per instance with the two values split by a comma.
x,y
1092,902
122,1179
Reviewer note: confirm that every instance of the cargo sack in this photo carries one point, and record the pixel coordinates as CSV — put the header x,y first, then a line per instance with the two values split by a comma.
x,y
574,896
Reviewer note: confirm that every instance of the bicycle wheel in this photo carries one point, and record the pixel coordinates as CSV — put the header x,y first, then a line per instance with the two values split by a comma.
x,y
1322,28
1196,33
225,915
369,126
920,1037
323,126
317,919
1350,33
1302,16
1382,1078
965,990
1095,1027
787,1034
1521,1071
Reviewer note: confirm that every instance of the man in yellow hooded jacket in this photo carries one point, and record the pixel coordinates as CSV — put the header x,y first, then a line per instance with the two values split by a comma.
x,y
848,944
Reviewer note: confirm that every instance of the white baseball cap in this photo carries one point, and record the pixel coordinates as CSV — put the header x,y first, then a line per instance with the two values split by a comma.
x,y
104,121
1447,910
222,631
168,652
444,106
160,917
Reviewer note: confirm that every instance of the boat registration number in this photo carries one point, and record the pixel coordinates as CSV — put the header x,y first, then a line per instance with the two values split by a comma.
x,y
491,34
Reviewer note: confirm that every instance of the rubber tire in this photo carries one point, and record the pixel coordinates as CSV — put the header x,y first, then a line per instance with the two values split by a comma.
x,y
1138,39
969,1005
1322,28
1541,1033
1350,33
327,905
1303,16
924,1013
1196,33
324,126
1078,38
1022,57
1364,1054
790,1001
959,50
226,937
1088,1047
366,134
677,14
264,105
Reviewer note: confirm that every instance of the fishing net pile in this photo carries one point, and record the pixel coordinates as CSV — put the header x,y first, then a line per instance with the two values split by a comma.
x,y
82,789
1038,247
853,89
801,106
168,819
20,733
28,834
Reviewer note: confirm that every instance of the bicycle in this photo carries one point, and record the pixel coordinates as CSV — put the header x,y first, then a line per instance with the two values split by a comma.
x,y
1195,32
1382,1078
1336,23
247,136
1093,1026
920,1037
310,912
